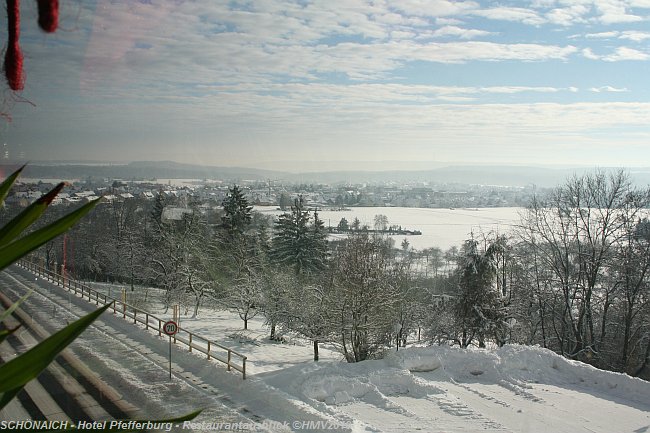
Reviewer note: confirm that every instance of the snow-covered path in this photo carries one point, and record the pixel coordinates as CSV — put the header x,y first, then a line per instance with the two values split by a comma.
x,y
437,389
135,362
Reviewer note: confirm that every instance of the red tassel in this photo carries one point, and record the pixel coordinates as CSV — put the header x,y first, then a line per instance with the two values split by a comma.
x,y
13,66
48,15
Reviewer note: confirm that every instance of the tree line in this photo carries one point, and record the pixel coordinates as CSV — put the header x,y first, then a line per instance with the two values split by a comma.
x,y
573,277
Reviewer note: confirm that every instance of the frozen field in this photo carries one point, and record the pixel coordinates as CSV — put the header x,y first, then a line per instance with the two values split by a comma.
x,y
440,228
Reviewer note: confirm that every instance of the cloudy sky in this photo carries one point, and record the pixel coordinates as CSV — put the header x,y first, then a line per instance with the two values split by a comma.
x,y
273,83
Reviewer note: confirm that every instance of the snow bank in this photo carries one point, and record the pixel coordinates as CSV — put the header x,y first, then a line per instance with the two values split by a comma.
x,y
415,371
517,365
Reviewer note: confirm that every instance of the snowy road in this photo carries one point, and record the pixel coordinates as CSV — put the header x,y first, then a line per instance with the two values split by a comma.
x,y
134,361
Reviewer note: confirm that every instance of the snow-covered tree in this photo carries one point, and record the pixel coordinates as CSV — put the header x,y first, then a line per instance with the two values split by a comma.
x,y
275,295
237,212
299,244
381,222
362,296
480,313
245,296
307,312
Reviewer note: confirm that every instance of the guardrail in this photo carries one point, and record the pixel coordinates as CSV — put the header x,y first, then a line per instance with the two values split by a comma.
x,y
194,342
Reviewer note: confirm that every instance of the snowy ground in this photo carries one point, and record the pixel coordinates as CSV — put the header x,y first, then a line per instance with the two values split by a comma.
x,y
438,389
513,389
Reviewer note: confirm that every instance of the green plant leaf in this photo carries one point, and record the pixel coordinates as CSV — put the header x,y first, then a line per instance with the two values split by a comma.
x,y
27,217
7,332
6,185
20,370
18,248
6,313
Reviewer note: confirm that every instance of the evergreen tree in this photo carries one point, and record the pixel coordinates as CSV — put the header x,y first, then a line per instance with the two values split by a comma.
x,y
237,212
299,244
158,207
318,244
284,201
479,310
343,225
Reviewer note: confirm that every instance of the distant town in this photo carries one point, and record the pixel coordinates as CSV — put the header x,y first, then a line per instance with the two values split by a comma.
x,y
210,193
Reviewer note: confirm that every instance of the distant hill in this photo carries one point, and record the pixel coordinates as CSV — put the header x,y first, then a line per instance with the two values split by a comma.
x,y
143,170
483,175
470,174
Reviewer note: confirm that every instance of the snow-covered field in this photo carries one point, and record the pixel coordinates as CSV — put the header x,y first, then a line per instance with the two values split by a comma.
x,y
442,228
428,389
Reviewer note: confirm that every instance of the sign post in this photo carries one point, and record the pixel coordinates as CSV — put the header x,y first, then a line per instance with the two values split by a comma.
x,y
170,328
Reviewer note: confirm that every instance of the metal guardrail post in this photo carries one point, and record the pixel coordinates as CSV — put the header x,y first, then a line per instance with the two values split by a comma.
x,y
229,353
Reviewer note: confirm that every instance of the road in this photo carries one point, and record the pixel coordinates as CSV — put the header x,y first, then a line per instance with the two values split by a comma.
x,y
114,370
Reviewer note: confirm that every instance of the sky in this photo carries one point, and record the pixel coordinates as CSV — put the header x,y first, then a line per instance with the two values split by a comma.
x,y
286,84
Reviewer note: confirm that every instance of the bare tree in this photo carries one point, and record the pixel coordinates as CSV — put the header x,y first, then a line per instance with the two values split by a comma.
x,y
576,235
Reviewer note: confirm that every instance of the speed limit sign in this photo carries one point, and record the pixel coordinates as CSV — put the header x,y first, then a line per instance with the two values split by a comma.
x,y
170,328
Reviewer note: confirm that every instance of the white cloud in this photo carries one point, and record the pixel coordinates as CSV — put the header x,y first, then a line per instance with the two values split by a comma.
x,y
631,35
571,12
624,53
459,32
526,16
543,3
608,89
588,53
401,35
567,16
448,22
635,36
520,89
434,8
454,52
615,11
603,35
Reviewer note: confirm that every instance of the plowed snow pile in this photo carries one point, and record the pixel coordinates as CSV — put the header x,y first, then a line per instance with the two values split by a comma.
x,y
441,389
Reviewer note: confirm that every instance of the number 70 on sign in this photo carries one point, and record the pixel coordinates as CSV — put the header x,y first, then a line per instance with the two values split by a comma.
x,y
170,328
